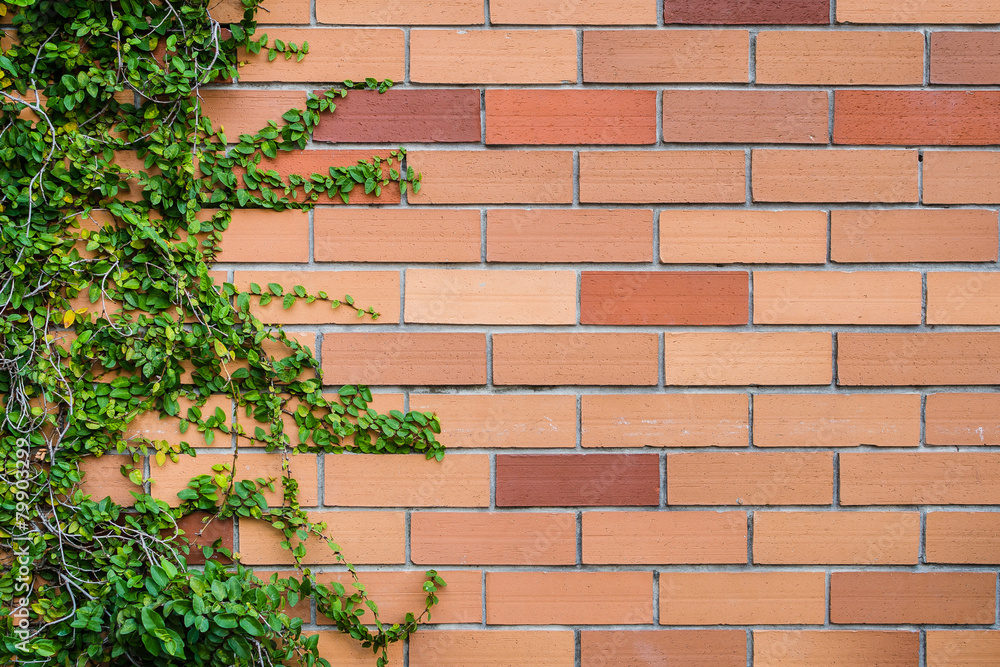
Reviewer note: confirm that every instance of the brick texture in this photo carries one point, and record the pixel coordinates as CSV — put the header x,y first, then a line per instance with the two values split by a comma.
x,y
426,115
922,358
563,598
745,116
569,235
670,177
515,177
747,358
637,538
836,420
699,648
741,598
914,235
963,419
965,57
963,648
835,176
524,480
677,56
916,117
737,12
829,297
836,538
738,237
492,56
963,537
954,177
924,478
913,597
758,478
820,648
396,235
508,538
569,358
664,298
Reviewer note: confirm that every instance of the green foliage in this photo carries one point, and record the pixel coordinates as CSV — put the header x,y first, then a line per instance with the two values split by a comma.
x,y
107,311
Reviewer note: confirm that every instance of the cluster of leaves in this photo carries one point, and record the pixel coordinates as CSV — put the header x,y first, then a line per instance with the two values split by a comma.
x,y
108,311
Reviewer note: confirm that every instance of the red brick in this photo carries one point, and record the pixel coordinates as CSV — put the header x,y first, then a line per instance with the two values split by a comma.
x,y
662,538
738,358
971,58
570,117
494,538
364,537
836,420
396,235
569,598
963,419
461,648
400,12
967,538
742,237
917,235
375,289
625,177
735,12
575,358
924,11
398,116
665,420
918,358
339,53
251,236
247,111
913,597
493,56
504,177
840,57
557,12
916,117
829,648
407,481
664,298
836,538
637,648
835,175
577,480
666,56
404,358
757,478
961,177
967,648
745,116
502,420
200,534
569,235
837,297
925,478
742,598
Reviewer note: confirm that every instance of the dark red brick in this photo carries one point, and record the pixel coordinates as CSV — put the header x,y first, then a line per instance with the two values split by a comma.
x,y
741,12
217,529
577,480
429,115
916,117
664,297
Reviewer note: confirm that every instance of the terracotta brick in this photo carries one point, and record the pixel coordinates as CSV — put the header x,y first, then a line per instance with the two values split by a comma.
x,y
494,538
505,420
836,538
828,648
570,116
577,480
664,297
575,358
918,479
171,478
837,297
493,648
963,298
248,111
840,58
156,426
102,479
836,420
376,289
742,598
961,177
460,480
913,597
665,420
364,537
557,12
396,235
625,177
258,235
967,648
742,237
661,538
967,538
666,56
916,117
963,419
467,296
398,116
924,235
405,358
965,57
493,56
569,598
400,12
339,53
918,358
307,162
569,235
736,12
730,358
835,175
924,11
695,648
349,652
200,534
505,177
745,116
275,11
757,478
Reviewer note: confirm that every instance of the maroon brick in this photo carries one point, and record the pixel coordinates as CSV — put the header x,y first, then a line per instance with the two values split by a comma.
x,y
664,297
812,12
577,480
429,115
916,117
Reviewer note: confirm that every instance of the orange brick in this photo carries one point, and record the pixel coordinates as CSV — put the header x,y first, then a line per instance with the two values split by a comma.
x,y
405,358
466,296
102,479
963,298
745,116
836,420
837,297
835,175
396,235
659,56
248,111
575,358
349,652
961,177
508,538
569,598
731,358
505,177
757,478
913,597
276,11
916,117
742,598
311,161
400,12
924,235
569,235
967,648
963,419
661,538
836,538
968,538
840,58
375,289
665,420
923,11
827,648
505,420
499,648
339,53
171,478
742,237
920,479
556,12
663,176
664,297
694,648
252,237
493,56
965,57
918,358
570,117
460,480
156,426
364,537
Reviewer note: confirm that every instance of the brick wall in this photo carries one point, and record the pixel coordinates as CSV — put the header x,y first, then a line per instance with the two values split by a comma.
x,y
705,293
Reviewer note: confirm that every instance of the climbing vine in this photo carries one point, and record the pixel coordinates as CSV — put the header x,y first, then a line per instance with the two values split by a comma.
x,y
108,311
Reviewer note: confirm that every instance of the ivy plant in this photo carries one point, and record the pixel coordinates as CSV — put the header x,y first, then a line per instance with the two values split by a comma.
x,y
108,311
